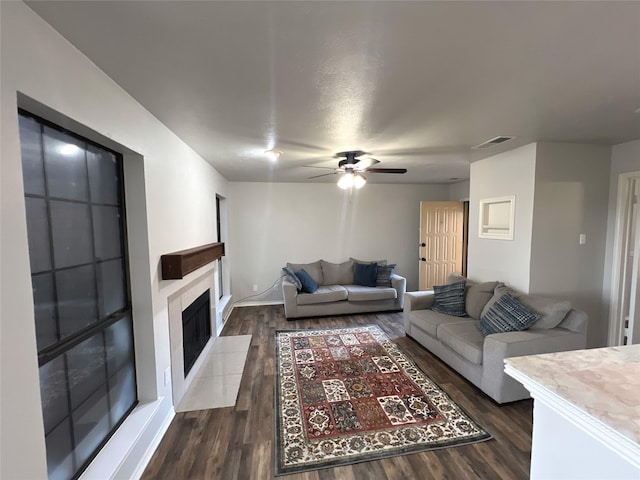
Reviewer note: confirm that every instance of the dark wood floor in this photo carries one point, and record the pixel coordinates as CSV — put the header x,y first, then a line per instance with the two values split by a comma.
x,y
238,442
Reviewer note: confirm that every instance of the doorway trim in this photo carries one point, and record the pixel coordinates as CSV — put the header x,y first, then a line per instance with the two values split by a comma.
x,y
616,323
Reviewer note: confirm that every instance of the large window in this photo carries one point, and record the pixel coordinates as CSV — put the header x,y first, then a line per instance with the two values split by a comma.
x,y
77,248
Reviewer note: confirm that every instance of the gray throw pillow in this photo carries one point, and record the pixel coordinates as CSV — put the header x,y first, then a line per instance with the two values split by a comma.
x,y
337,273
292,277
313,269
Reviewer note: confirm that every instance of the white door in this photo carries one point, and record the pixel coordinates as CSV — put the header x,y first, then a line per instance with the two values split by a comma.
x,y
441,242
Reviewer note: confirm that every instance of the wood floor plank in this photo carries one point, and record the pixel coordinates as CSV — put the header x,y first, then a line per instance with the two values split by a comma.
x,y
238,442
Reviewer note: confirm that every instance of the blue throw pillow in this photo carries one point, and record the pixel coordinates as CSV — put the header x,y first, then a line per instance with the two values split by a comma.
x,y
291,276
366,274
449,299
506,315
308,284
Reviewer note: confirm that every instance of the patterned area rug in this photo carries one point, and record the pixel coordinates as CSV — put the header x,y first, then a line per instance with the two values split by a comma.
x,y
348,395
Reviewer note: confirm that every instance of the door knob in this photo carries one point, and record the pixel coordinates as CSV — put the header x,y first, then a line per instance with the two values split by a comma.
x,y
423,244
422,259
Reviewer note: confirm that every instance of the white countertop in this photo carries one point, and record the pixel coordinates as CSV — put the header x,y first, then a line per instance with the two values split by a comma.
x,y
603,383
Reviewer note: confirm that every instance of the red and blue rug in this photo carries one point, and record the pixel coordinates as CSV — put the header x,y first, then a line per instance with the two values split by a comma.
x,y
349,395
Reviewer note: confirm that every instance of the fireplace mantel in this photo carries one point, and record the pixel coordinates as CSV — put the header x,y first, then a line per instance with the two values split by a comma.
x,y
178,264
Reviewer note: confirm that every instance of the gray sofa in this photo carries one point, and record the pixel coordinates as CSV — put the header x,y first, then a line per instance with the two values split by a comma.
x,y
337,293
459,342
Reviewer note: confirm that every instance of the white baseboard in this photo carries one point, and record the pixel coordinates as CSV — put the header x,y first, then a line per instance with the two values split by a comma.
x,y
258,303
146,458
129,450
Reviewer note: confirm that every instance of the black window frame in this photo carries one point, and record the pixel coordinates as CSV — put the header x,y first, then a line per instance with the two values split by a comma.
x,y
63,346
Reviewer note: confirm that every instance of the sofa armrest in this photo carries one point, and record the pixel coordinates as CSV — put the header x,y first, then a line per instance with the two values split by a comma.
x,y
400,284
415,301
289,295
418,300
499,346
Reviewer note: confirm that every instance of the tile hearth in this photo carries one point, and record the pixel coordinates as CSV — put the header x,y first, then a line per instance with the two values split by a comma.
x,y
217,382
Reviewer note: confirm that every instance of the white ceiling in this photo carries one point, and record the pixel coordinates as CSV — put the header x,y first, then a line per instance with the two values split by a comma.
x,y
416,84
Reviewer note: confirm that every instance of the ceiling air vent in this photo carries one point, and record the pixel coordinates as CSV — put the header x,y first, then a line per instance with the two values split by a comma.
x,y
494,141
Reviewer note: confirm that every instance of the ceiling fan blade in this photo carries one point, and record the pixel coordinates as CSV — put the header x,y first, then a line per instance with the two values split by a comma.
x,y
323,175
364,163
313,166
386,170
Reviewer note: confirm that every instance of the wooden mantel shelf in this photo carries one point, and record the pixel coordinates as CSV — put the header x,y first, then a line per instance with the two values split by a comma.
x,y
178,264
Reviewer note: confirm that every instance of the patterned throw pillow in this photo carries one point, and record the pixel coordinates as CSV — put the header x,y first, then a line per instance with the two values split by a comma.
x,y
506,315
309,285
384,275
449,299
291,276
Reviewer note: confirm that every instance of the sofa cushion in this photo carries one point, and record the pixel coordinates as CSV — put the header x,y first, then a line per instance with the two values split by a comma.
x,y
506,315
551,311
324,294
464,338
379,262
429,321
313,269
358,293
478,295
384,275
449,299
337,273
365,274
308,284
292,277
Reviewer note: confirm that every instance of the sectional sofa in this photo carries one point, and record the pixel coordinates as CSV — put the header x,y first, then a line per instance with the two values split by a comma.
x,y
337,292
459,342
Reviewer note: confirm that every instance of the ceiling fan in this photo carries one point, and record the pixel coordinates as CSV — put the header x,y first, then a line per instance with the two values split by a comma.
x,y
351,167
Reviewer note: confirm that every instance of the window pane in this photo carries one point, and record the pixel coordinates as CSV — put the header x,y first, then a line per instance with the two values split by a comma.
x,y
31,153
86,369
119,344
91,424
45,312
38,234
111,287
65,165
106,231
122,392
71,233
103,176
76,299
60,452
53,390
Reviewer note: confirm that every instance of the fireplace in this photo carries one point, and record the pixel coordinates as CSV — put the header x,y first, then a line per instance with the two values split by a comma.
x,y
196,329
185,364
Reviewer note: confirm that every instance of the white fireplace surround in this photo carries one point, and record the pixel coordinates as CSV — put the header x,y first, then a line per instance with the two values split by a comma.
x,y
178,302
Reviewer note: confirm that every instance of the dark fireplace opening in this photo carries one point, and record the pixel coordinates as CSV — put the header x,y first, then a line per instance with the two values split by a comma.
x,y
196,329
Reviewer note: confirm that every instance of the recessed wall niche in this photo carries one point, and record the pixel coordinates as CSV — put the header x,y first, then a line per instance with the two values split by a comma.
x,y
497,218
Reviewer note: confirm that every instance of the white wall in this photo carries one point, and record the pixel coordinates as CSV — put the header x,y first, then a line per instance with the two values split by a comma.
x,y
272,224
571,192
179,188
459,191
505,174
625,158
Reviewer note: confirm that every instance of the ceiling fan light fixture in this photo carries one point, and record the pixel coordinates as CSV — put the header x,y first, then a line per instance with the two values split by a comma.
x,y
359,181
346,181
273,155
